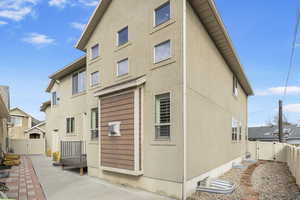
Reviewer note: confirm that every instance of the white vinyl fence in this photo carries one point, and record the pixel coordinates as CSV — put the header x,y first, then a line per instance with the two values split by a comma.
x,y
293,161
28,146
267,151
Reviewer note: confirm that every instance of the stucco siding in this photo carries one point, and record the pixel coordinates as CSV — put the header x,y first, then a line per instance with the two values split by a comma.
x,y
211,105
158,157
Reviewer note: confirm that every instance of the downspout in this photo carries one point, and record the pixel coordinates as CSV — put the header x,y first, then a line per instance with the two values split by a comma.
x,y
184,98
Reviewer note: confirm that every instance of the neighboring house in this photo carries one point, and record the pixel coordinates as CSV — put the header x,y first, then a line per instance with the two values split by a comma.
x,y
36,132
4,117
270,134
20,121
160,97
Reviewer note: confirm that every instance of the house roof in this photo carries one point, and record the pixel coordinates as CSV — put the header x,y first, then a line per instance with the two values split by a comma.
x,y
45,105
292,132
208,14
34,121
50,85
37,127
75,65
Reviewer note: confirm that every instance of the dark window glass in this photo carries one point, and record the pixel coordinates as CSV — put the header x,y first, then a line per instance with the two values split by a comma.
x,y
123,36
162,14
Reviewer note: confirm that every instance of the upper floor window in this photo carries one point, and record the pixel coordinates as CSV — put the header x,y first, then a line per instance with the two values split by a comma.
x,y
235,86
78,81
94,124
16,121
162,116
70,125
162,13
123,36
122,67
54,98
162,51
95,51
95,78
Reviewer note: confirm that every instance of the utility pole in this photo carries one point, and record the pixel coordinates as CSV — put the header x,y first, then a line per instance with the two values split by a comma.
x,y
280,127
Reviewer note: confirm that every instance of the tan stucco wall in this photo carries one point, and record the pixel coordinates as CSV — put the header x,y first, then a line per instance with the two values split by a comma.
x,y
159,158
210,104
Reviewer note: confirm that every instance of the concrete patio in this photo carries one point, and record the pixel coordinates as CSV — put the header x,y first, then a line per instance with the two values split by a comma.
x,y
61,184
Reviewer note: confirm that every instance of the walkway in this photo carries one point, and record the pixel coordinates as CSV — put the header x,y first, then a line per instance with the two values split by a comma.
x,y
61,184
23,183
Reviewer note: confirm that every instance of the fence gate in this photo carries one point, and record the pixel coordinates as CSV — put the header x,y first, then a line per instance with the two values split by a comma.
x,y
267,151
28,146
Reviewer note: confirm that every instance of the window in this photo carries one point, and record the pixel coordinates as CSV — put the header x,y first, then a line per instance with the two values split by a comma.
x,y
235,86
123,36
162,116
94,124
16,121
114,129
54,98
95,78
240,132
70,125
162,14
78,82
234,131
162,51
122,67
95,51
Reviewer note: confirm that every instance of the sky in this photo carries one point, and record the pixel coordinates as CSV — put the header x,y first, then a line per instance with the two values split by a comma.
x,y
37,38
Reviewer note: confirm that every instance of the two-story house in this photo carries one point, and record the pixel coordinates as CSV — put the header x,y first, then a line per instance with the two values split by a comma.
x,y
22,122
160,97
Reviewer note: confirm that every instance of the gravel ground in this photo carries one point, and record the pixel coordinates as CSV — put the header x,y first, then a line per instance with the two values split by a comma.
x,y
260,181
273,180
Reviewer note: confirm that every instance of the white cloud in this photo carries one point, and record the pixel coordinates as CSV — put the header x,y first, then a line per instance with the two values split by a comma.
x,y
16,9
77,25
295,108
89,2
3,23
58,3
279,91
38,39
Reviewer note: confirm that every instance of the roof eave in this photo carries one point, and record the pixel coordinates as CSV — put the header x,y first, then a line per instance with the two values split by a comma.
x,y
212,16
92,23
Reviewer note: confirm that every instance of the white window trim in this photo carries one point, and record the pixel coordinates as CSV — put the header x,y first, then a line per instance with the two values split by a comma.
x,y
154,16
70,133
154,53
117,65
118,123
117,36
91,82
91,51
160,124
85,82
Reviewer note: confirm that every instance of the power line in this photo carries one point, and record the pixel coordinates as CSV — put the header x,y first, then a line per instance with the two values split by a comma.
x,y
292,51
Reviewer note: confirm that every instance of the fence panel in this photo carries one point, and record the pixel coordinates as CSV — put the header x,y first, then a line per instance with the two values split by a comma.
x,y
28,146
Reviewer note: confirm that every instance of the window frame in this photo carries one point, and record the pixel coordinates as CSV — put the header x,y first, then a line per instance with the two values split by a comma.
x,y
118,125
20,120
118,42
54,101
120,75
91,78
98,52
159,7
157,122
235,85
70,125
154,51
84,82
96,128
